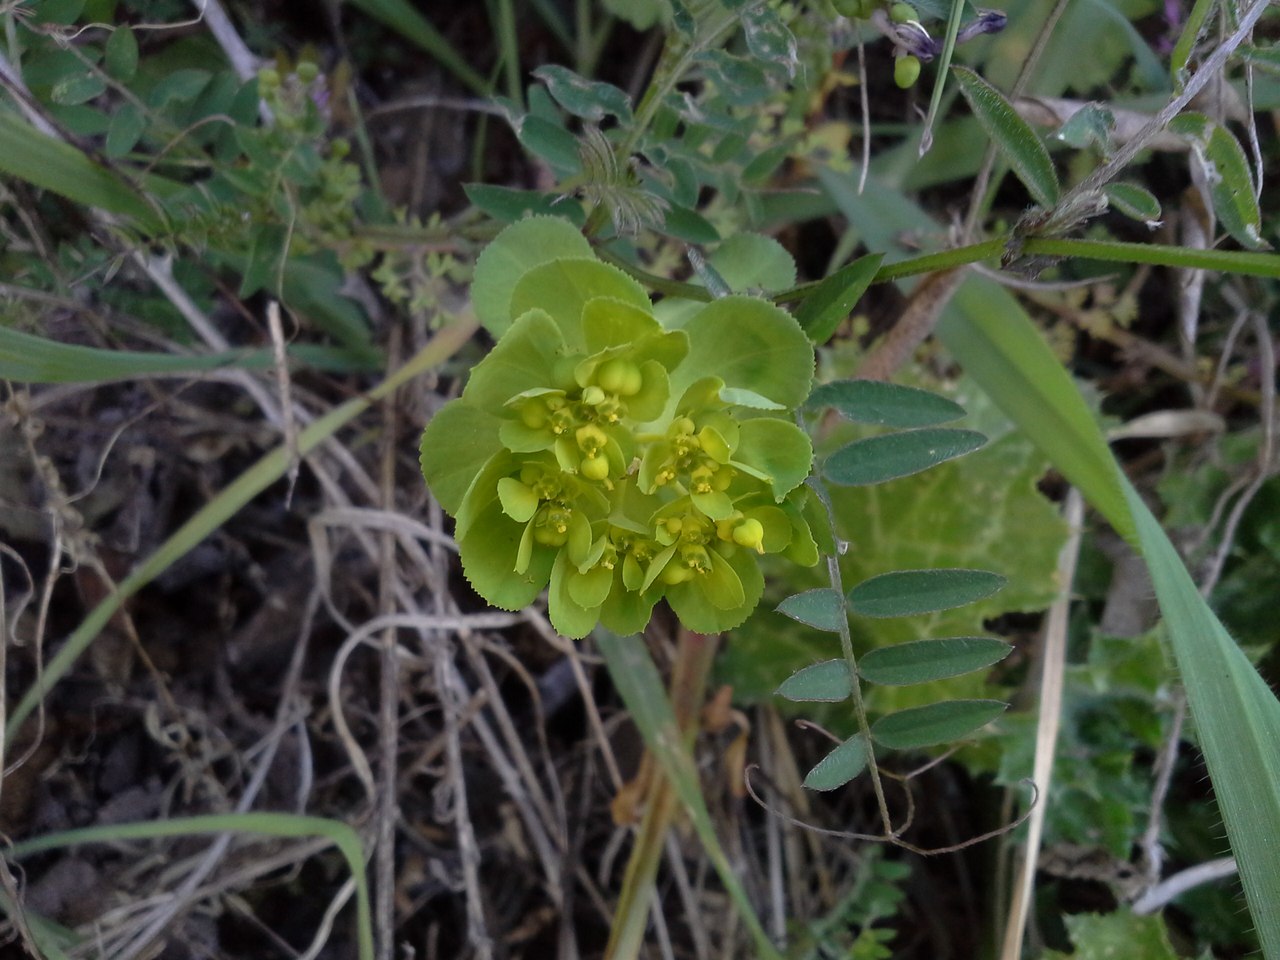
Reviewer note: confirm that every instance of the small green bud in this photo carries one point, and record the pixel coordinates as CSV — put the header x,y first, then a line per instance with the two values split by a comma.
x,y
595,468
593,396
307,71
906,71
902,13
750,533
620,376
340,148
268,79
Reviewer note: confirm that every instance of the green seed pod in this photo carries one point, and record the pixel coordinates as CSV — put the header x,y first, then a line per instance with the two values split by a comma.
x,y
906,71
902,13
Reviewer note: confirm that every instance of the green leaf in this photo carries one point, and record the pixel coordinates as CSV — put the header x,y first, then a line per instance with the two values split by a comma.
x,y
180,86
688,225
927,660
1230,182
552,142
1012,135
934,724
266,260
524,359
776,451
513,253
562,288
121,55
751,344
1191,30
840,765
592,100
893,455
826,682
127,125
77,88
906,593
885,404
1091,124
749,261
820,608
1265,58
823,310
1134,201
1104,936
457,442
509,205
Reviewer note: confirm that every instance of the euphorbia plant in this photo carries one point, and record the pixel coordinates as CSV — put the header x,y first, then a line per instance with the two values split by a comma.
x,y
615,458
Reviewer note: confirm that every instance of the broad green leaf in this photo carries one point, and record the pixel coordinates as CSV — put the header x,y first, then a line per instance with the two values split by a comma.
x,y
127,125
819,608
893,455
1016,140
885,404
907,593
822,311
509,205
1091,124
489,549
826,682
750,344
638,683
1134,201
701,607
524,359
1230,182
1105,936
1266,58
592,100
513,253
562,288
552,143
180,86
78,88
840,765
935,723
121,53
752,261
457,442
927,660
685,223
776,451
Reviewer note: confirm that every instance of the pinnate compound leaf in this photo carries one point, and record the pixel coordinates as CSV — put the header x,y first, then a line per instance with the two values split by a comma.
x,y
820,609
826,682
1012,135
823,310
906,593
885,404
1230,183
893,455
934,724
926,660
1134,201
512,254
840,765
591,100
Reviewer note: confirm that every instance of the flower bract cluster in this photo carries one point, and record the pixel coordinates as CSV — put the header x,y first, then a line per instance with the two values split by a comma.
x,y
615,460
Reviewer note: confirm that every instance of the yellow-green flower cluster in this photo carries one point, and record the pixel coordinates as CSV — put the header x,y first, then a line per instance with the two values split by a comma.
x,y
616,462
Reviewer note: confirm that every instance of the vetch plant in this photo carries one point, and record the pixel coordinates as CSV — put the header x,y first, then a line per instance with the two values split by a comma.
x,y
617,460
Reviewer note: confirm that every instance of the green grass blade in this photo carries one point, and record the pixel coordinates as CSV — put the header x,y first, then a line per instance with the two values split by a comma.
x,y
1236,714
221,508
266,824
995,342
1237,720
28,154
940,81
640,686
401,17
31,359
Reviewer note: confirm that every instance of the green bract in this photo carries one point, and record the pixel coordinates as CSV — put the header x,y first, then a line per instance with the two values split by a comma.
x,y
615,461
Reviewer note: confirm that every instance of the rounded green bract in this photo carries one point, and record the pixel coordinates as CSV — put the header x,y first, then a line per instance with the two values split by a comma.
x,y
599,455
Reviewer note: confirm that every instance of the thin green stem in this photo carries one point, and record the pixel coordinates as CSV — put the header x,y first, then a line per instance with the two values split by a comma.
x,y
1242,262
